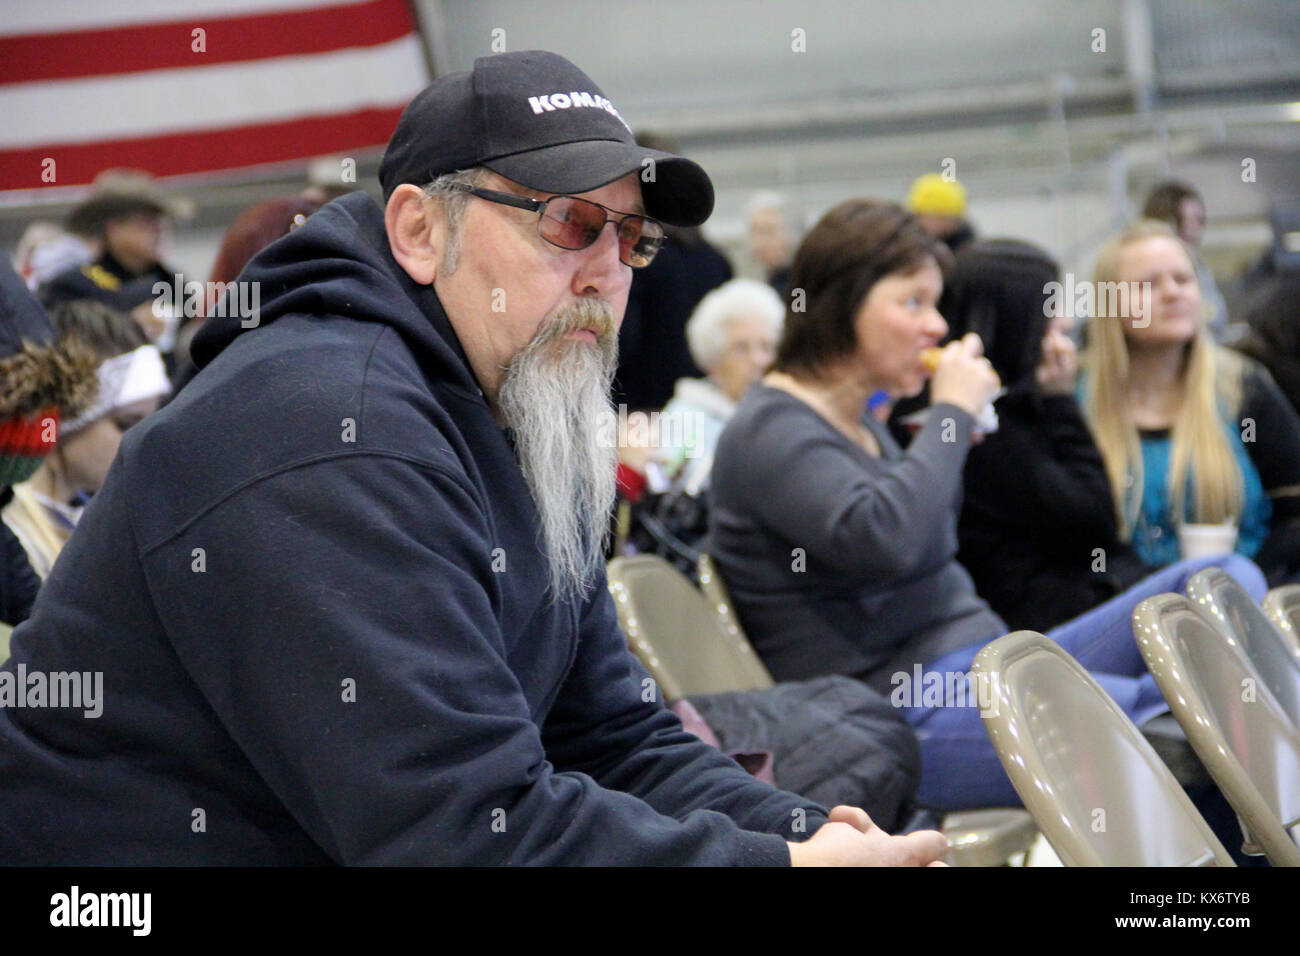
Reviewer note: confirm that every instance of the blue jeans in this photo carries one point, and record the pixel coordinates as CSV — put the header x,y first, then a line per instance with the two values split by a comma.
x,y
959,768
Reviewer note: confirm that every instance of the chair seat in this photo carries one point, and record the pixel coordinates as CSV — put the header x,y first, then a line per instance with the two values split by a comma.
x,y
988,837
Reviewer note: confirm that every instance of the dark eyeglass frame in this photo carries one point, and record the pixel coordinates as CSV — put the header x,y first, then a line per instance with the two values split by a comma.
x,y
539,206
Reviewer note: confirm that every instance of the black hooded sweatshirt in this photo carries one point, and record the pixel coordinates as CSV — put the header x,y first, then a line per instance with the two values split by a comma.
x,y
314,589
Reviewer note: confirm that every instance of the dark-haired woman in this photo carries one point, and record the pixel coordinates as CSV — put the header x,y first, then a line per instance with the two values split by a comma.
x,y
838,547
1037,529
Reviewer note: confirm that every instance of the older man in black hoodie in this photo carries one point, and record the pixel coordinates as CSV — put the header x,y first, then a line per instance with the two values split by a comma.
x,y
346,591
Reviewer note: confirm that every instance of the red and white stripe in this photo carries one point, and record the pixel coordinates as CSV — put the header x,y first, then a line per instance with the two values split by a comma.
x,y
91,86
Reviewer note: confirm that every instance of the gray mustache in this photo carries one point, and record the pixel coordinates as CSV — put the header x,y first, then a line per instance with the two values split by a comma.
x,y
595,314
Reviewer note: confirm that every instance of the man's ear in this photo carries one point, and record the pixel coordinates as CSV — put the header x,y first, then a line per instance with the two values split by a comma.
x,y
416,231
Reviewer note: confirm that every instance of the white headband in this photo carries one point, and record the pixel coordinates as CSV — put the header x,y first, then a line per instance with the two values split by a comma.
x,y
124,380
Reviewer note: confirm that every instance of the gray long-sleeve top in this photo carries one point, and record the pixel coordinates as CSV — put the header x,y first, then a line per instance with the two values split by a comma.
x,y
838,561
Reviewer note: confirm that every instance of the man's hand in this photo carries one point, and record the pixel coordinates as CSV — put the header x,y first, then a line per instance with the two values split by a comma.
x,y
851,839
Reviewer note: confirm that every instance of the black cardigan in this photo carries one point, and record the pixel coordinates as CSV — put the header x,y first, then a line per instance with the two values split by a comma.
x,y
1037,507
1276,454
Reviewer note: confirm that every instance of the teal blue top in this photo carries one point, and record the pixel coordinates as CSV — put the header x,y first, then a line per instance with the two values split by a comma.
x,y
1155,534
1155,537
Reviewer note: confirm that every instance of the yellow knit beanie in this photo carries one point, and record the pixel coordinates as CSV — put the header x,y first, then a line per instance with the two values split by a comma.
x,y
933,195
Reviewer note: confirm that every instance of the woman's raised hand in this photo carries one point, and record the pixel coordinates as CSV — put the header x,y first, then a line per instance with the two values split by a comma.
x,y
1059,366
963,376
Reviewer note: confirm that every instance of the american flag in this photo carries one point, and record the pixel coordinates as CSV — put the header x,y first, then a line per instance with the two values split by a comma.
x,y
184,87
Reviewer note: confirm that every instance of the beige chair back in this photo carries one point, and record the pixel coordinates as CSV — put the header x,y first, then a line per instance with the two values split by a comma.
x,y
715,592
1282,605
1097,790
1244,623
673,632
1234,722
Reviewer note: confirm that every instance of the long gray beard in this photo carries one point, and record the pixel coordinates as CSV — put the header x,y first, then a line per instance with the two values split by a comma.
x,y
555,397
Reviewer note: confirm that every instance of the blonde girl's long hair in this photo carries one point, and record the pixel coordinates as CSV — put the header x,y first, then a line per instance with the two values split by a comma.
x,y
1210,376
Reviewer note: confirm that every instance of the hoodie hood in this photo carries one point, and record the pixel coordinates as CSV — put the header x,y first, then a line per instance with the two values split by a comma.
x,y
338,263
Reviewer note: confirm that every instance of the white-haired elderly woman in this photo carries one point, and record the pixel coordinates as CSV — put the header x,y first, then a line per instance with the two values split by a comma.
x,y
732,335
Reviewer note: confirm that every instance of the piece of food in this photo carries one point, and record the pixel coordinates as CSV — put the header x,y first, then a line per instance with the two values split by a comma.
x,y
930,359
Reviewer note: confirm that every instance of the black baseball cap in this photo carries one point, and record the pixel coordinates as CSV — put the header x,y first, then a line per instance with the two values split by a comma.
x,y
535,118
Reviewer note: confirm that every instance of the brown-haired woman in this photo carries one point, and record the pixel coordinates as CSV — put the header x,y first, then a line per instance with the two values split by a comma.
x,y
838,547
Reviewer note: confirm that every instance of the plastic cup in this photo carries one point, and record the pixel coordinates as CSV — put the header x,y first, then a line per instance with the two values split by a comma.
x,y
1204,540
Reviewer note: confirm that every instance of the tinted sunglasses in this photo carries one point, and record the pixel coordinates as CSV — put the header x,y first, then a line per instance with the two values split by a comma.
x,y
572,223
